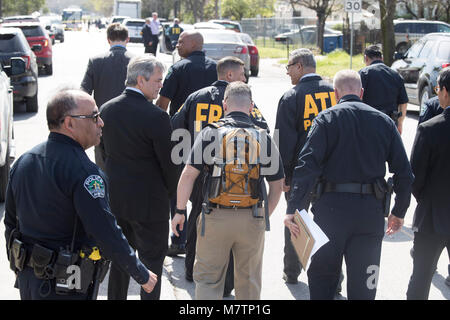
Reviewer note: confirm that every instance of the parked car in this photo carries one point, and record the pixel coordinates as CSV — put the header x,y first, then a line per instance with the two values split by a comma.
x,y
35,34
208,25
332,39
7,147
409,31
165,45
118,19
14,44
20,19
134,27
421,64
218,44
254,54
230,25
54,24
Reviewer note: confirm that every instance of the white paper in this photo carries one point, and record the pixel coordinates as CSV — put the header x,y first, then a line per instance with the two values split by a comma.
x,y
320,238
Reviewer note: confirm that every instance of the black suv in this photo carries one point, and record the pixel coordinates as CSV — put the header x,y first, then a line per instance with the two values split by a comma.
x,y
421,64
14,44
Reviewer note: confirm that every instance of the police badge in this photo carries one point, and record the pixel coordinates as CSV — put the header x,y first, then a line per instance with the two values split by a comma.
x,y
95,186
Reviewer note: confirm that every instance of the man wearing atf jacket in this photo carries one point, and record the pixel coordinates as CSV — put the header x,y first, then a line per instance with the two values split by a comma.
x,y
202,107
296,111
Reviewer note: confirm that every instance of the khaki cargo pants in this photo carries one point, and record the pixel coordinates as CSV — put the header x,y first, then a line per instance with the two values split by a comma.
x,y
225,230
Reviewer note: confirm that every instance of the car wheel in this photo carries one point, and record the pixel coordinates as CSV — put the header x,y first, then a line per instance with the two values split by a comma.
x,y
254,71
49,69
425,95
4,177
32,103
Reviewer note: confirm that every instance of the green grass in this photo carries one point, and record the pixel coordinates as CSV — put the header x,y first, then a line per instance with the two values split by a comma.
x,y
328,65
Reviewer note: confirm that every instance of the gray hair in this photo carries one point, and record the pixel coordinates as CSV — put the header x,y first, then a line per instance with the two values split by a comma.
x,y
62,103
238,94
347,81
143,65
304,56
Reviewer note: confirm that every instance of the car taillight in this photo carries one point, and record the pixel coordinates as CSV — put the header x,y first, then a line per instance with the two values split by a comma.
x,y
253,50
241,50
45,42
27,60
445,65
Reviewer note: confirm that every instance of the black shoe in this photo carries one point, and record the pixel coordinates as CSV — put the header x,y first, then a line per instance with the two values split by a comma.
x,y
290,280
176,249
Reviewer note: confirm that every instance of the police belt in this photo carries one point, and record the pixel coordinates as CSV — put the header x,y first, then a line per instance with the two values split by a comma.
x,y
359,188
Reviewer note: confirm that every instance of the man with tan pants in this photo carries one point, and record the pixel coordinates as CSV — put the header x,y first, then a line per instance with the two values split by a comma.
x,y
238,225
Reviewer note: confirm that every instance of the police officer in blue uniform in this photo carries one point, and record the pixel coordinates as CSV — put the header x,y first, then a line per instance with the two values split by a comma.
x,y
430,109
57,205
202,107
192,73
343,164
384,88
296,111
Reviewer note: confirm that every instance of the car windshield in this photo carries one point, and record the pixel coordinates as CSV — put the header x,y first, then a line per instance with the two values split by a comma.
x,y
212,37
10,42
444,50
32,31
135,23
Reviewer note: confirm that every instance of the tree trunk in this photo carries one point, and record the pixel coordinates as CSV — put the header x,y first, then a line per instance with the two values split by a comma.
x,y
387,12
321,17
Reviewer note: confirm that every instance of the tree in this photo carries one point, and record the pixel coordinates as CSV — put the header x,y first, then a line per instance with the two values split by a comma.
x,y
21,7
323,9
235,9
387,13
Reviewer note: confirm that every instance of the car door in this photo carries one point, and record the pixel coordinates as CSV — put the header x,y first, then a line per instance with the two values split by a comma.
x,y
409,68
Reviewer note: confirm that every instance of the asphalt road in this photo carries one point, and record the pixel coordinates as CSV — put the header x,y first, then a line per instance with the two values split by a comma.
x,y
70,60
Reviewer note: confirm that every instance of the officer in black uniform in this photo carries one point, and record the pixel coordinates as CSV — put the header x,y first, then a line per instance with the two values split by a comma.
x,y
430,109
57,204
202,107
346,153
173,32
296,111
384,88
192,73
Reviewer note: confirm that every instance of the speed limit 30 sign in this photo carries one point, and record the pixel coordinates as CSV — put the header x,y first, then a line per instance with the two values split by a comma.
x,y
352,5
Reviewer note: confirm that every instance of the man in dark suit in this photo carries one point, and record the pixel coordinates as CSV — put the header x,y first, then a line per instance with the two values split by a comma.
x,y
136,147
431,188
105,74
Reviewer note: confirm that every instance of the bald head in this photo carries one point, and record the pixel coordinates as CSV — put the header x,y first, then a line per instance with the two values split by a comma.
x,y
347,82
189,42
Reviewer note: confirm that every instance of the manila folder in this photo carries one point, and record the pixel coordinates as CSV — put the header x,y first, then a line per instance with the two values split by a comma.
x,y
304,243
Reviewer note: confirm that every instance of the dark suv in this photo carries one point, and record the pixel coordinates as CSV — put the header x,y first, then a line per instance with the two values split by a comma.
x,y
35,34
421,64
14,44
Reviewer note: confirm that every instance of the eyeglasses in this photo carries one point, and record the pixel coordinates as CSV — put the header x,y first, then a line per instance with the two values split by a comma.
x,y
93,116
290,64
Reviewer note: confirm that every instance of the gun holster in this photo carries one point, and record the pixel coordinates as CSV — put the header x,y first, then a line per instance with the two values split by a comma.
x,y
318,190
383,191
395,115
42,261
18,254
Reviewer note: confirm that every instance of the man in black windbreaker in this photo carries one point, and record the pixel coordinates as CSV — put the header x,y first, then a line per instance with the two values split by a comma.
x,y
296,111
202,107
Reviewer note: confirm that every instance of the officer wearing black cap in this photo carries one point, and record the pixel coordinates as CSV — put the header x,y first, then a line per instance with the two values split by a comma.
x,y
296,111
343,164
192,73
202,107
59,227
384,88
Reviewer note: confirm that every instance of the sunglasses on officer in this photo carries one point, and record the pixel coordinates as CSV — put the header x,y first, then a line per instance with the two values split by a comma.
x,y
93,116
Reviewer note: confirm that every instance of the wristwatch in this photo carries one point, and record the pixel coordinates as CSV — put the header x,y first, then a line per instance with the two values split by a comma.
x,y
184,212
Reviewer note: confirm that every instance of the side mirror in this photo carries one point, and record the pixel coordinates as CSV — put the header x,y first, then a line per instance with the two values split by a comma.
x,y
36,47
398,55
17,67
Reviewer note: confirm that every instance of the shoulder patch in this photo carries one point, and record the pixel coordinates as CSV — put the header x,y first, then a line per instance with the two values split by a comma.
x,y
95,186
